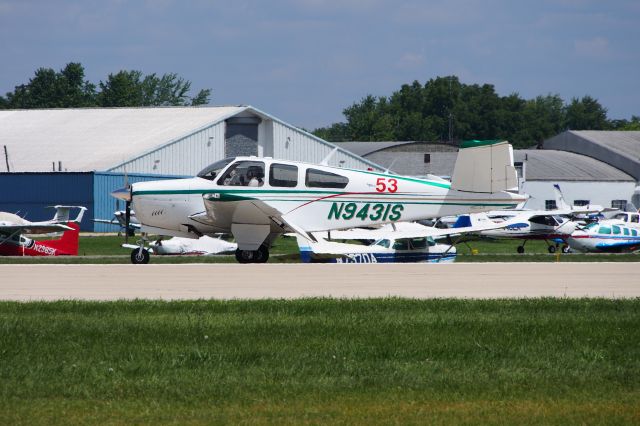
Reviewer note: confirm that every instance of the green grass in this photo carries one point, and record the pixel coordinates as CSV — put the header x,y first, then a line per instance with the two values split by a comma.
x,y
381,361
106,249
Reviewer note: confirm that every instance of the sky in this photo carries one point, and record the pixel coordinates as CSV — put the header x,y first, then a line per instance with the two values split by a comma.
x,y
304,61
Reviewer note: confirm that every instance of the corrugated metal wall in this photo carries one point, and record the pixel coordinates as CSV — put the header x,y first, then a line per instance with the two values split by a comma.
x,y
185,157
29,194
104,204
292,144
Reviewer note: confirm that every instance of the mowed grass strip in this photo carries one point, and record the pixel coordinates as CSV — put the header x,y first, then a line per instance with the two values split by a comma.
x,y
539,361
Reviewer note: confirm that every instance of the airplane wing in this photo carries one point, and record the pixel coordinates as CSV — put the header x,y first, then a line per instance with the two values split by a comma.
x,y
34,228
476,222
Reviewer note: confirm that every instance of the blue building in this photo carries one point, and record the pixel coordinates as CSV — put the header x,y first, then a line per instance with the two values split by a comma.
x,y
78,156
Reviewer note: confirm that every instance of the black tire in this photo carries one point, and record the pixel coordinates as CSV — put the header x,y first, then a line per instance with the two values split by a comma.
x,y
520,249
140,257
262,255
245,256
552,249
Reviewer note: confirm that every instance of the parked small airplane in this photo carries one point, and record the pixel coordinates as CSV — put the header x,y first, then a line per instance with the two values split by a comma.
x,y
399,242
14,243
257,199
605,237
203,246
535,225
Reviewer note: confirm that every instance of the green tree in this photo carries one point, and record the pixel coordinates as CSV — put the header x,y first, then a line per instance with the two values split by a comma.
x,y
49,89
69,89
131,88
586,114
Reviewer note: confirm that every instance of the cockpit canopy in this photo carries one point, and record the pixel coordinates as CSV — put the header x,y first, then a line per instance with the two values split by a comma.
x,y
211,171
256,173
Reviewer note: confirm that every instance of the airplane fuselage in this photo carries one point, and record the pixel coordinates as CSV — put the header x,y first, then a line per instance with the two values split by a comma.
x,y
314,198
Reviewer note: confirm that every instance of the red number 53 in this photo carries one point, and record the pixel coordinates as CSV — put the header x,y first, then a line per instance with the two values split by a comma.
x,y
389,185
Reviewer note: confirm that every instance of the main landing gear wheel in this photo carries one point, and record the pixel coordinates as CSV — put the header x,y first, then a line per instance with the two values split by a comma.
x,y
552,249
140,257
520,249
253,256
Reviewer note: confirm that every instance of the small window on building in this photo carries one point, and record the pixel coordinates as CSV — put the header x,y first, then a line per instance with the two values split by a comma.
x,y
581,202
427,158
618,204
550,205
321,179
283,175
519,169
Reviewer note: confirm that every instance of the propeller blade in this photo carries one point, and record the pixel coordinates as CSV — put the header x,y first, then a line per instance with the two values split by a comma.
x,y
122,194
127,219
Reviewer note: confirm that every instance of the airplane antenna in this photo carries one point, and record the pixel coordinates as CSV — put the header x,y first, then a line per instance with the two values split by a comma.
x,y
6,158
325,162
386,172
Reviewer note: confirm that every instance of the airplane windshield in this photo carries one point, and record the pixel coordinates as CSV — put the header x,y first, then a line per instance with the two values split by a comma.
x,y
210,172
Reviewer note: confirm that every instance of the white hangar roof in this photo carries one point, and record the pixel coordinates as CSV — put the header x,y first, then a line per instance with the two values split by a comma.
x,y
95,139
103,139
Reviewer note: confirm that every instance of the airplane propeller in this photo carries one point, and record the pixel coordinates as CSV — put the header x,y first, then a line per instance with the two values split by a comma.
x,y
124,194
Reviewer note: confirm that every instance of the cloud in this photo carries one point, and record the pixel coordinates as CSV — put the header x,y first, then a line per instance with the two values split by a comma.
x,y
595,48
411,60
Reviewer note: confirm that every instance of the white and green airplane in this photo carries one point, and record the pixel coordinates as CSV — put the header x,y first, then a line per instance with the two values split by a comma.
x,y
257,199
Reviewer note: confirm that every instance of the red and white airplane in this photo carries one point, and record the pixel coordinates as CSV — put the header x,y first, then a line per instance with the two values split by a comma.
x,y
13,242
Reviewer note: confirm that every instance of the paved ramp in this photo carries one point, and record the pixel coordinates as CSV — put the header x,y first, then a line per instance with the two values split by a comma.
x,y
231,281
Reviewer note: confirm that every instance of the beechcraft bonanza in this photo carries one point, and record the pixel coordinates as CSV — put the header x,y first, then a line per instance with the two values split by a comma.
x,y
258,199
400,242
13,242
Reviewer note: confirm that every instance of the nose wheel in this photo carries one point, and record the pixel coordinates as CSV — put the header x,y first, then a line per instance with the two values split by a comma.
x,y
253,256
140,256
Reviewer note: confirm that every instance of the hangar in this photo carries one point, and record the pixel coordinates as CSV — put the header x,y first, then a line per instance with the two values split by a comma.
x,y
78,156
583,179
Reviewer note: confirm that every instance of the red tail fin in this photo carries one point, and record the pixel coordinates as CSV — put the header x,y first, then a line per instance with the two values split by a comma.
x,y
68,243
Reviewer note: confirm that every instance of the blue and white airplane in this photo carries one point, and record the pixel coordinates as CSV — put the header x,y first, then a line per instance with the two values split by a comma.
x,y
605,237
401,242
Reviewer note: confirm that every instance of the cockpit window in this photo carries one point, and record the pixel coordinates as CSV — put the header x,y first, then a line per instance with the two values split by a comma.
x,y
244,173
321,179
383,243
418,243
210,172
605,230
543,220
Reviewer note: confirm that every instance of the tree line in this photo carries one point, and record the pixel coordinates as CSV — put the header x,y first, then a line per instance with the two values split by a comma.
x,y
444,109
68,88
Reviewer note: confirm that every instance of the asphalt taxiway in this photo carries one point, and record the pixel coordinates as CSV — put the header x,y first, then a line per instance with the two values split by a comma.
x,y
289,281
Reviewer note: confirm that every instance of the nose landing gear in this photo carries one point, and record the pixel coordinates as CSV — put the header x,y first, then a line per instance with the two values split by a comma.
x,y
253,256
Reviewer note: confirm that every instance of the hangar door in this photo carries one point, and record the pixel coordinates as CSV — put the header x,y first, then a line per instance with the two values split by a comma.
x,y
241,136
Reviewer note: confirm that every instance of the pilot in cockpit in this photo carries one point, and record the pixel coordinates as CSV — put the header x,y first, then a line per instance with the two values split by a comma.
x,y
255,176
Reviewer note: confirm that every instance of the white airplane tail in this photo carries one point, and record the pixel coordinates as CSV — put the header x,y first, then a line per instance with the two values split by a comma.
x,y
62,214
484,166
561,203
